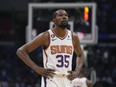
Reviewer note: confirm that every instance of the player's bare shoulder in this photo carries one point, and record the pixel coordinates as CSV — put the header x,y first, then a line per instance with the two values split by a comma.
x,y
43,38
75,38
46,38
44,35
40,40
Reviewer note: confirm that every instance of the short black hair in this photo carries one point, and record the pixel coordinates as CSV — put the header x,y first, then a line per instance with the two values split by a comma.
x,y
54,14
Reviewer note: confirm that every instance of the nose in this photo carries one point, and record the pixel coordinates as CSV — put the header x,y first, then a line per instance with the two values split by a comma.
x,y
65,17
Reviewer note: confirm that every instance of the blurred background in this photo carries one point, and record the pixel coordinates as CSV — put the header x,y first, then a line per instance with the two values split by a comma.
x,y
100,57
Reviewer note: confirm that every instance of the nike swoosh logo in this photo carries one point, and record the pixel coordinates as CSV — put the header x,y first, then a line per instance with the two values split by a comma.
x,y
53,39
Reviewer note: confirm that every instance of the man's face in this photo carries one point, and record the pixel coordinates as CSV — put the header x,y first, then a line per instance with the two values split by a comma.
x,y
61,19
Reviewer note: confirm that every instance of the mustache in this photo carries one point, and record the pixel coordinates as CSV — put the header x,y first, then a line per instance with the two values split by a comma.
x,y
64,21
64,24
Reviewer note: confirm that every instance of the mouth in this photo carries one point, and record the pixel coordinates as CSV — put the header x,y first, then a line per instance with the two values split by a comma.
x,y
64,22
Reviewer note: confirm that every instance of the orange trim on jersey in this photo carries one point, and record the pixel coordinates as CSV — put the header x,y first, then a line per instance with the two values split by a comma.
x,y
72,39
46,57
60,37
49,40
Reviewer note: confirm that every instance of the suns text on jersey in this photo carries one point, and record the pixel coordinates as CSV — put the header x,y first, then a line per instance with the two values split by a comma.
x,y
61,49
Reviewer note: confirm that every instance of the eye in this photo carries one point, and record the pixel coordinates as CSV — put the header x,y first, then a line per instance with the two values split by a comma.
x,y
63,15
66,15
60,15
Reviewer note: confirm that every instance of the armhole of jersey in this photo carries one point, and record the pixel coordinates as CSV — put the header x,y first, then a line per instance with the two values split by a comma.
x,y
85,80
49,41
72,39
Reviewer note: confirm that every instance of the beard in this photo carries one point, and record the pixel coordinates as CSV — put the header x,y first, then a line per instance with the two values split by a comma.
x,y
63,24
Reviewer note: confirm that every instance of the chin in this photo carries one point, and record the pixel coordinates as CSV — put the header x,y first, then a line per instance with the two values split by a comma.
x,y
63,26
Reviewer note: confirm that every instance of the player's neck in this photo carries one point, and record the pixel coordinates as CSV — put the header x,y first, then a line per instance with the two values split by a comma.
x,y
81,75
60,32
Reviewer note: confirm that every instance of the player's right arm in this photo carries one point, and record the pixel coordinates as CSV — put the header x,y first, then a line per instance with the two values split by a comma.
x,y
23,54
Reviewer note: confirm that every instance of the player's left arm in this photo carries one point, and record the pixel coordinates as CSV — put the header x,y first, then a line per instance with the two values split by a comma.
x,y
79,60
80,55
89,83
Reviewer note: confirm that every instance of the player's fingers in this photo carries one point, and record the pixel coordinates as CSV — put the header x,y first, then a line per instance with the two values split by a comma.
x,y
46,75
49,73
50,70
71,78
70,72
49,76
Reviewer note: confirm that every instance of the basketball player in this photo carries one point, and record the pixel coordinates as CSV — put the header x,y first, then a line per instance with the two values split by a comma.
x,y
58,45
82,80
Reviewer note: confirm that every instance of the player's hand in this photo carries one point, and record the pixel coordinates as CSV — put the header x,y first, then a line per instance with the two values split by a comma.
x,y
48,73
72,75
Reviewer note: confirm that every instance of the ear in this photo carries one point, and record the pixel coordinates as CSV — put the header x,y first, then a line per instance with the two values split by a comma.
x,y
54,20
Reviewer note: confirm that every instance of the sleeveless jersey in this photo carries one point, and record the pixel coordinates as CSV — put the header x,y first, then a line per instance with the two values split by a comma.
x,y
58,55
79,82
